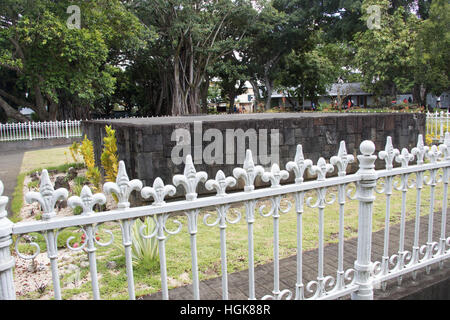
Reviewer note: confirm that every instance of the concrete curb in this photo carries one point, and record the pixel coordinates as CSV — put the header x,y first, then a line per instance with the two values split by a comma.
x,y
35,144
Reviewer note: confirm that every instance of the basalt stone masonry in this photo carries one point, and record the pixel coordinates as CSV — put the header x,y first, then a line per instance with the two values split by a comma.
x,y
145,144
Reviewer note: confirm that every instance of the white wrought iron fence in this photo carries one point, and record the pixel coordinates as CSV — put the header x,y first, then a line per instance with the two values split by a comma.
x,y
438,123
359,281
40,130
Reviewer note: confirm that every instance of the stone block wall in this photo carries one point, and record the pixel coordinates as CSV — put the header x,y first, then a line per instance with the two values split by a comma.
x,y
145,144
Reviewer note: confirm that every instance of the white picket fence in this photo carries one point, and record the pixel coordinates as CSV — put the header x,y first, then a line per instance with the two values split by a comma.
x,y
431,169
40,130
438,123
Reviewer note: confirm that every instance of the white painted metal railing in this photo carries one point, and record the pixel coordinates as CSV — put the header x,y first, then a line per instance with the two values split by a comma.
x,y
40,130
358,281
438,123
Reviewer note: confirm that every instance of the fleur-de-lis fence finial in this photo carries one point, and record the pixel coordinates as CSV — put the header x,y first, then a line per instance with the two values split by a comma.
x,y
158,192
388,154
220,183
404,158
321,169
299,165
123,187
47,196
420,150
342,160
275,175
86,201
190,179
433,154
249,172
3,202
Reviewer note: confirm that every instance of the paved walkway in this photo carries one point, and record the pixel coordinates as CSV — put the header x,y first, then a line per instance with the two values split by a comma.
x,y
238,282
10,163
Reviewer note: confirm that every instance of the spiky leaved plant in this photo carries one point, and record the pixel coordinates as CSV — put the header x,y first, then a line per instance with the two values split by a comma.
x,y
144,250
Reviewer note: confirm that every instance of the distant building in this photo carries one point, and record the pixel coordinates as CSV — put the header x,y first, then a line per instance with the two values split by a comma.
x,y
245,102
242,104
344,92
338,93
442,102
349,91
27,112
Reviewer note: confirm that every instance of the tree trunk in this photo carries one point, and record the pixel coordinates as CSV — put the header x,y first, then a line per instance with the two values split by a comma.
x,y
52,111
393,91
67,110
192,102
176,94
419,95
232,96
269,88
40,104
256,93
204,94
303,98
157,111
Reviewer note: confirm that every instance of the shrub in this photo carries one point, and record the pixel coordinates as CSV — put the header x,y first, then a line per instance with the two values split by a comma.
x,y
324,106
66,234
92,173
431,136
109,156
75,151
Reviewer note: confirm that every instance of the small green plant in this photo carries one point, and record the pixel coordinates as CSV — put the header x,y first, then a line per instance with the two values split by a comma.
x,y
33,184
66,234
80,181
319,107
144,251
27,248
76,190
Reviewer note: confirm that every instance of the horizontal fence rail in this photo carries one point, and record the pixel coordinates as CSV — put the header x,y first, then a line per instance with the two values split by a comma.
x,y
429,166
40,130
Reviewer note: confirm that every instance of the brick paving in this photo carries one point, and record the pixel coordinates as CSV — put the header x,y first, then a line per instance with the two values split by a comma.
x,y
211,289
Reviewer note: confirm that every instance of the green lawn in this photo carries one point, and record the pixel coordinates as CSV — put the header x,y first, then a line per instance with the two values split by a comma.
x,y
33,160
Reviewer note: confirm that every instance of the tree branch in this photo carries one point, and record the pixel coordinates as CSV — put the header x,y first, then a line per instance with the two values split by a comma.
x,y
11,112
16,100
18,48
